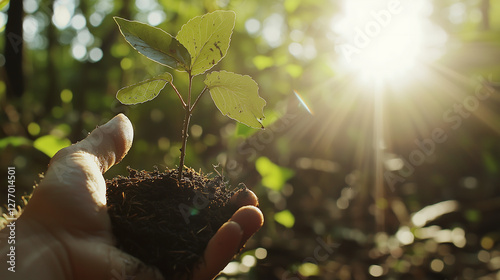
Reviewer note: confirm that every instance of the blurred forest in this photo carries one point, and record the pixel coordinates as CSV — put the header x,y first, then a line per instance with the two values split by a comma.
x,y
365,170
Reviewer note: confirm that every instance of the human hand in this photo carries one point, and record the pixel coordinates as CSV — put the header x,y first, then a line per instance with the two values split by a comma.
x,y
65,231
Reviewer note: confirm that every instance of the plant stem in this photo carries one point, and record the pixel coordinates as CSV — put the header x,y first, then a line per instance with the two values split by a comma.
x,y
187,118
185,135
198,98
180,97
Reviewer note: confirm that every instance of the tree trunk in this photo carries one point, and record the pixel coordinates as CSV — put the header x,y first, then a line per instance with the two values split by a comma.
x,y
14,50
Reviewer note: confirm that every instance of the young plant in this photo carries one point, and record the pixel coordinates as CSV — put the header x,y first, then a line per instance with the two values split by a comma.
x,y
200,44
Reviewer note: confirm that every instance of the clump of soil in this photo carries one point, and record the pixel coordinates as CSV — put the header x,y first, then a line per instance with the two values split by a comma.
x,y
165,222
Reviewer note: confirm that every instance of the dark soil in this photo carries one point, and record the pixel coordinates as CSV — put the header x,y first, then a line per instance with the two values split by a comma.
x,y
164,222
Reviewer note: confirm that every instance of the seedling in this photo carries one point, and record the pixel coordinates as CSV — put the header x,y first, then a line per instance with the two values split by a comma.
x,y
200,44
157,216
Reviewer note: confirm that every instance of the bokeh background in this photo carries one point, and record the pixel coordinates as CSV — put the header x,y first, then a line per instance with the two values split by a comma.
x,y
381,153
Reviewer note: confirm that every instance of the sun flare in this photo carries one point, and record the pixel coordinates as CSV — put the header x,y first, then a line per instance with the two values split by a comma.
x,y
382,47
384,39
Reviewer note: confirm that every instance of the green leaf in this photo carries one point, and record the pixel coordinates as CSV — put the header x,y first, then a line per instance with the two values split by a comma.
x,y
155,44
308,269
285,218
50,144
207,39
143,91
291,5
14,141
237,97
3,4
273,176
262,62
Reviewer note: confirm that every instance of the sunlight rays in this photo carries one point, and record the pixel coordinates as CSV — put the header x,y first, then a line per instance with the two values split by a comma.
x,y
397,103
391,91
383,40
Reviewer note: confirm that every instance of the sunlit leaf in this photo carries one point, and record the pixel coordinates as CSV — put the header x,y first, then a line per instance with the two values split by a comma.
x,y
14,141
291,5
155,44
244,130
308,269
272,117
50,144
3,4
273,176
294,70
143,91
262,62
207,39
237,97
285,218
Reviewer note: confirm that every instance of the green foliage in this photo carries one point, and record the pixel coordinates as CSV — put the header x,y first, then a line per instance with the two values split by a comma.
x,y
144,91
155,44
207,39
237,97
285,218
296,138
14,141
262,62
273,176
3,3
200,44
50,144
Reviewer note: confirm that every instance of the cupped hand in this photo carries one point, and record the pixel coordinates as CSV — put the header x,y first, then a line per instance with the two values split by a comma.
x,y
65,231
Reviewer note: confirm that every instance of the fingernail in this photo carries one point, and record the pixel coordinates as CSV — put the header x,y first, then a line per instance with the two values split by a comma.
x,y
111,124
244,197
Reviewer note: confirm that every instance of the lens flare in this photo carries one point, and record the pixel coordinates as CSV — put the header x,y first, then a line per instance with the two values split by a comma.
x,y
302,102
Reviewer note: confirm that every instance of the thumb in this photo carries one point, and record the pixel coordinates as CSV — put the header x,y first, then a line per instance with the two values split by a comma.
x,y
107,144
74,180
84,162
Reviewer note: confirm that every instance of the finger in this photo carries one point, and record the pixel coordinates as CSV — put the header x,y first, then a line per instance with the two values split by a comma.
x,y
244,197
250,219
82,164
74,182
220,250
228,241
107,144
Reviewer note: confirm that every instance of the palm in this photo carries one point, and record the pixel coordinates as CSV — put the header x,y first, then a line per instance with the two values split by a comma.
x,y
73,231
